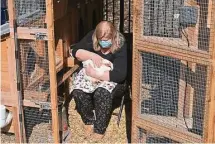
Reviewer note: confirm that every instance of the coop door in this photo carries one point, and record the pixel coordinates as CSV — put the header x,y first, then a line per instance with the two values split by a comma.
x,y
171,68
34,45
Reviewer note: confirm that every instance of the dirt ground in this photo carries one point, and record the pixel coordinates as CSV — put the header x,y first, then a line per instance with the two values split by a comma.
x,y
7,138
114,134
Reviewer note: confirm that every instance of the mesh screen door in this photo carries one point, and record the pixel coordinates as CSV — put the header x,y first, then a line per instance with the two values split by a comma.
x,y
32,28
173,74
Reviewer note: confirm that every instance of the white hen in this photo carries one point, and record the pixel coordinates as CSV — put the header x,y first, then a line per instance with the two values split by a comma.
x,y
106,66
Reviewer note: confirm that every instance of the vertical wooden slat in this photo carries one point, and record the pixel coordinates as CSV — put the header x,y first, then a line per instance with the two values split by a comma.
x,y
190,94
210,4
182,87
133,127
12,72
16,125
186,93
52,69
210,123
135,72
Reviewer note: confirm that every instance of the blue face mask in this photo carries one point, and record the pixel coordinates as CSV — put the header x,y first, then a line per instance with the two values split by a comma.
x,y
105,44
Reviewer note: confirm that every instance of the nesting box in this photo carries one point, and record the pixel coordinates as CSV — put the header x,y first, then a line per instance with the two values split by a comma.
x,y
173,74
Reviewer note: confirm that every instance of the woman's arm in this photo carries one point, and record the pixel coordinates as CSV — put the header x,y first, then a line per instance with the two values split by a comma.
x,y
83,50
119,72
82,54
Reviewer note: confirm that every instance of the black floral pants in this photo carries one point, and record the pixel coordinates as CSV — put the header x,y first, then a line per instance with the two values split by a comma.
x,y
100,101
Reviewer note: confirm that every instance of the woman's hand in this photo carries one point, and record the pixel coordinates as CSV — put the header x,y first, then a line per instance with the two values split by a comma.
x,y
89,71
97,60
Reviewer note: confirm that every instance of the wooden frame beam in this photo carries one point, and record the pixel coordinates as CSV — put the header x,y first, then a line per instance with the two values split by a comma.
x,y
187,54
66,75
29,33
19,126
52,69
167,132
209,125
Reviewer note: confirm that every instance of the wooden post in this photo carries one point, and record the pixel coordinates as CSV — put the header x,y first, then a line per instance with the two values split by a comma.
x,y
52,69
12,72
136,76
16,124
135,72
210,123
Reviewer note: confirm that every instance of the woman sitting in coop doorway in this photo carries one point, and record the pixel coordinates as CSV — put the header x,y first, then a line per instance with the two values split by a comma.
x,y
104,44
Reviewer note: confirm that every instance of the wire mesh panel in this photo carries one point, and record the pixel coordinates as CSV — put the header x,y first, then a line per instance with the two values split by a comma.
x,y
31,13
159,17
161,81
38,127
185,19
35,69
173,93
149,137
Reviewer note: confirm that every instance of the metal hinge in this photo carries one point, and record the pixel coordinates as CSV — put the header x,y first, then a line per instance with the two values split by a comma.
x,y
39,36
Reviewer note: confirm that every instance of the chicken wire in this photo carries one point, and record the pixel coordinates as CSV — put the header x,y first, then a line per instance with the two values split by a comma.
x,y
38,123
149,137
38,126
173,93
31,13
178,19
35,69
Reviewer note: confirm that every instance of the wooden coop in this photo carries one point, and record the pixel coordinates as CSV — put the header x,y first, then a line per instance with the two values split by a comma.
x,y
173,95
173,64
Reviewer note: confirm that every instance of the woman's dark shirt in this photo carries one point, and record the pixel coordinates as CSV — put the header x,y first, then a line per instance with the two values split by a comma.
x,y
118,58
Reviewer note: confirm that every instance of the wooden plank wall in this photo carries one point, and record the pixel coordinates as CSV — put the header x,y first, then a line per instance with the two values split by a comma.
x,y
66,32
86,12
5,82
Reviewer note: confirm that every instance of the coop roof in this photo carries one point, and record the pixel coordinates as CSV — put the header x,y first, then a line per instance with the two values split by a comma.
x,y
5,29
